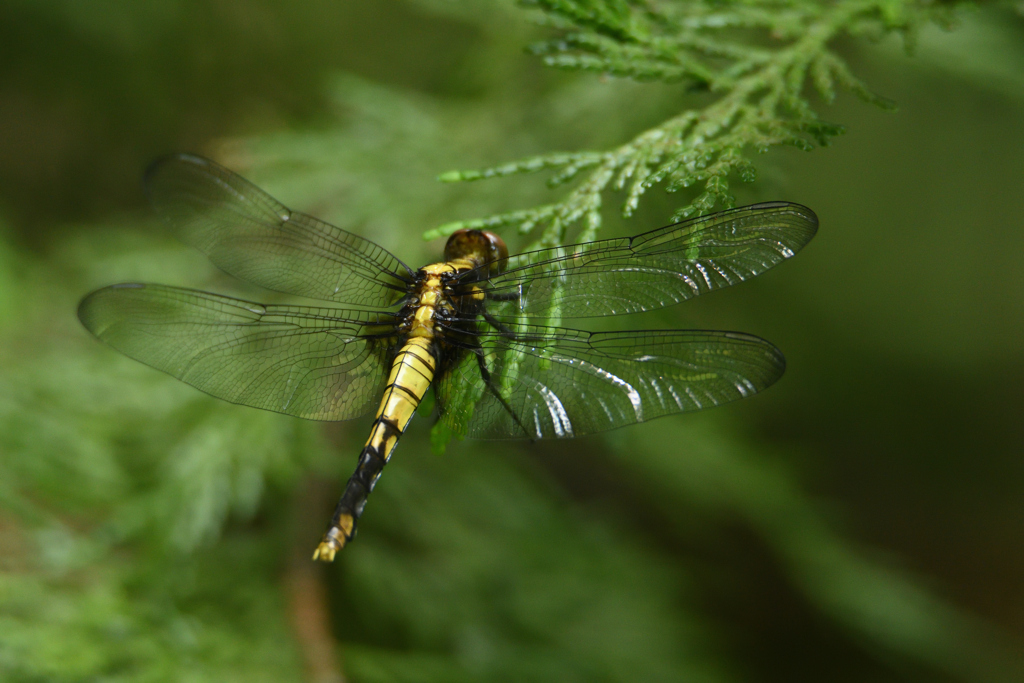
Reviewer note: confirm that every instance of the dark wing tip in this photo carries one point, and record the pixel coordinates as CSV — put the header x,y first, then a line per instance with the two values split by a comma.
x,y
800,209
151,176
782,204
167,160
84,310
801,212
88,310
807,215
93,309
808,222
800,221
775,361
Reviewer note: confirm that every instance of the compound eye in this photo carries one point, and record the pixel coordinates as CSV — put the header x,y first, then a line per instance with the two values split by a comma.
x,y
480,246
497,251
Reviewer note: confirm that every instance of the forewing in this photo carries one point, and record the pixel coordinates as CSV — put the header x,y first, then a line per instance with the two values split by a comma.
x,y
560,383
652,270
251,235
315,363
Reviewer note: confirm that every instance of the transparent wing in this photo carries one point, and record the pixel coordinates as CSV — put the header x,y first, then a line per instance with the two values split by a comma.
x,y
565,383
315,363
249,234
655,269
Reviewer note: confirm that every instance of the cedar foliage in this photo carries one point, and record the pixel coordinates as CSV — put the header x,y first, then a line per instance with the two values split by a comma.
x,y
758,60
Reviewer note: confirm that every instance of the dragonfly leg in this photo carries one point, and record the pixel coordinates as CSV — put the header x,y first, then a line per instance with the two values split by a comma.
x,y
485,374
498,325
505,296
508,331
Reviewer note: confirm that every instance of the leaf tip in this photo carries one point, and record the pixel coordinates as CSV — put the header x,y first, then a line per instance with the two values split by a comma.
x,y
442,230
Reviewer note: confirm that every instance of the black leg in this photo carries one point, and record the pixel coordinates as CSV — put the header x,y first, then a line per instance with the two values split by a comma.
x,y
485,374
504,296
498,325
507,331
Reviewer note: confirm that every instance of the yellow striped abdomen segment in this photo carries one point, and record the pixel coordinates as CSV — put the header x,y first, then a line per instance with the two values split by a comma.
x,y
411,374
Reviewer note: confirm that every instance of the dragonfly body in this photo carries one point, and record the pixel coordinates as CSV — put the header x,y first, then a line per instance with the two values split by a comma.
x,y
477,326
423,322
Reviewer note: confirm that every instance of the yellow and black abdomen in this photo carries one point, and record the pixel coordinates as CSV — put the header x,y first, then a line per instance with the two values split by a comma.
x,y
411,374
412,371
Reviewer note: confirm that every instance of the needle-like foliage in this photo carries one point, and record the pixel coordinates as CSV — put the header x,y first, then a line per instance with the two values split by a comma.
x,y
759,60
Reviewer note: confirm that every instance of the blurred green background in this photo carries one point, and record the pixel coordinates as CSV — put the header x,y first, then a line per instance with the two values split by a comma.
x,y
860,521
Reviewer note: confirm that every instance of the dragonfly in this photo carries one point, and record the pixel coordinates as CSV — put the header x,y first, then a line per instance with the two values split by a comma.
x,y
476,326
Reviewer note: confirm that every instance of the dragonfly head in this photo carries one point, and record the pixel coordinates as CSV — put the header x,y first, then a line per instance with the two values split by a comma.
x,y
479,246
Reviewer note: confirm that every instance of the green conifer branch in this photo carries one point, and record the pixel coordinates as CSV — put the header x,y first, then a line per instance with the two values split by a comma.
x,y
759,57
